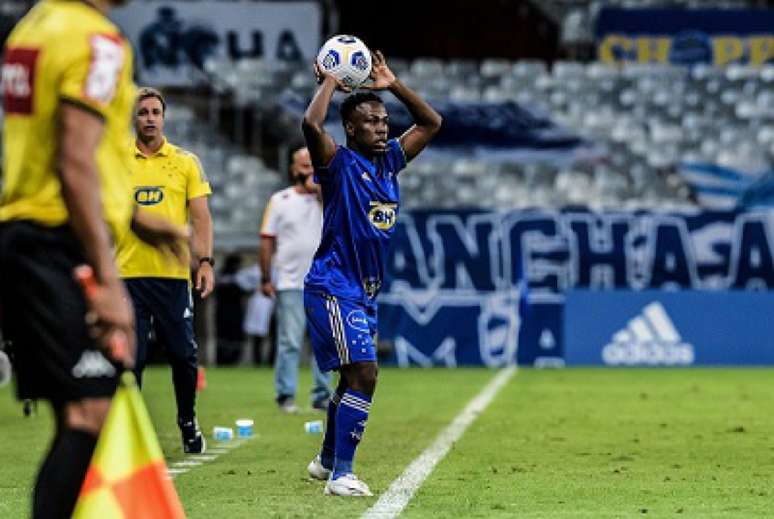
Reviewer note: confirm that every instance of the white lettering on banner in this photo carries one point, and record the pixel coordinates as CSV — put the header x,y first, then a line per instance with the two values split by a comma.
x,y
406,353
175,38
463,276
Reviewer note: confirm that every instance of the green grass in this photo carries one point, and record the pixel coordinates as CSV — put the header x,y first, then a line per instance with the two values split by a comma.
x,y
568,443
614,443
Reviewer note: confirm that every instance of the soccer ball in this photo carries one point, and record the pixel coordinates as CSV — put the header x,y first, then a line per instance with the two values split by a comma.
x,y
347,58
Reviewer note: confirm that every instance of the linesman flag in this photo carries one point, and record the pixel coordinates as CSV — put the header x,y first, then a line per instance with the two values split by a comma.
x,y
127,477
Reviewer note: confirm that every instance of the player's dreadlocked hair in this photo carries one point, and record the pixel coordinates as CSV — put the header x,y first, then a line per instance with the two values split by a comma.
x,y
349,105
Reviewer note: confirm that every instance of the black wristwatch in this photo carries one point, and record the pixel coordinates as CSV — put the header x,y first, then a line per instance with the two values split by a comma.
x,y
208,259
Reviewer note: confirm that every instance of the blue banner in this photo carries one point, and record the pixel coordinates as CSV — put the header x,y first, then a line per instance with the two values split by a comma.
x,y
669,328
686,36
484,287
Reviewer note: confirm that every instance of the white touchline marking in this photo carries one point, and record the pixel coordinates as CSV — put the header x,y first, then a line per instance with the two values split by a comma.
x,y
400,492
203,457
186,463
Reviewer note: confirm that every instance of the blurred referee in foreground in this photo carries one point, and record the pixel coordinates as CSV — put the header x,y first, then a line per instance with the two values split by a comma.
x,y
67,96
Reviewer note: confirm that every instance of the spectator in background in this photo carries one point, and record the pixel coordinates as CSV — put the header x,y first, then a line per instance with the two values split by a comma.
x,y
238,318
290,234
259,324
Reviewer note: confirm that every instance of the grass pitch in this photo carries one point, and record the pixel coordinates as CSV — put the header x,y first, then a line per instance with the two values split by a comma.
x,y
567,443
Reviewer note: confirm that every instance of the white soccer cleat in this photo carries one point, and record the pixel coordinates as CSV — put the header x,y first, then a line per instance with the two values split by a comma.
x,y
347,485
316,469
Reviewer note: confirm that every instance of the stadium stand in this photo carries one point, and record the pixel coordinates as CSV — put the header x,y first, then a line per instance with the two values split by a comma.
x,y
644,120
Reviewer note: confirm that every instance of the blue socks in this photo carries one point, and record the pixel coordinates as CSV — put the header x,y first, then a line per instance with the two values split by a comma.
x,y
328,453
350,424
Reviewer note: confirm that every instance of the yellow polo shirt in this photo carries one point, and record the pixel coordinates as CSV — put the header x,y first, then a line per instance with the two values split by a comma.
x,y
64,51
162,184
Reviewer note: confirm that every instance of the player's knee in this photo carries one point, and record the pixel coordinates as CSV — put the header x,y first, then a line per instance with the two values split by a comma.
x,y
366,375
86,415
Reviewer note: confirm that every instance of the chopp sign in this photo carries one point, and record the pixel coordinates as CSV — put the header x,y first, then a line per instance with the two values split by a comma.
x,y
689,36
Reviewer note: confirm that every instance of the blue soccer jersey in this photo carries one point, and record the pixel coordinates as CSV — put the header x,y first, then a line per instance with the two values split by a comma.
x,y
360,210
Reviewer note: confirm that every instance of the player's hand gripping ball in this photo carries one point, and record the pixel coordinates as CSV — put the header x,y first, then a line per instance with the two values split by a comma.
x,y
347,59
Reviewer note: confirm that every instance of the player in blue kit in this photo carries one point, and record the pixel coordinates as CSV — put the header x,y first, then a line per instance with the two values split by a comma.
x,y
360,194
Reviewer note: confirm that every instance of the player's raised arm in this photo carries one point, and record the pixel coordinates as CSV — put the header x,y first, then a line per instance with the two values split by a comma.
x,y
321,146
427,121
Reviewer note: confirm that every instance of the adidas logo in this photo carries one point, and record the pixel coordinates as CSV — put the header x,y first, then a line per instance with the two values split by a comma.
x,y
93,364
365,177
649,339
187,313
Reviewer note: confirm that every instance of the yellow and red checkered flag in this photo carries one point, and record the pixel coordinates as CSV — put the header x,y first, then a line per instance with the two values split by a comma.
x,y
128,477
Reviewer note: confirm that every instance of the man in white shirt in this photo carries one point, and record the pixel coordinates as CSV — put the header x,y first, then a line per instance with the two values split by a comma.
x,y
290,234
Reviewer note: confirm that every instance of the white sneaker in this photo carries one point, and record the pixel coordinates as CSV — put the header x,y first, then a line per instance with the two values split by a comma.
x,y
316,469
287,405
346,485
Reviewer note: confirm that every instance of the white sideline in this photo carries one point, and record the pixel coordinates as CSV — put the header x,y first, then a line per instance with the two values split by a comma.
x,y
400,492
196,460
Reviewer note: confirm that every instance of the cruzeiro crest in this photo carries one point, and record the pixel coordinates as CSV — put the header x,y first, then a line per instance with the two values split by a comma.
x,y
358,60
383,215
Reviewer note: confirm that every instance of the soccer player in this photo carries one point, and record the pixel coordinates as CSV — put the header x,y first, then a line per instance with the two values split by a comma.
x,y
67,97
360,194
168,182
291,227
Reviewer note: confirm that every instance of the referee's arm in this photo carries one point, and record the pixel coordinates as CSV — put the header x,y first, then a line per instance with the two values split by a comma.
x,y
78,135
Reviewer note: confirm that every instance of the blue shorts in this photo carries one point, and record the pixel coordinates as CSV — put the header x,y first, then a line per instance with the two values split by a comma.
x,y
342,332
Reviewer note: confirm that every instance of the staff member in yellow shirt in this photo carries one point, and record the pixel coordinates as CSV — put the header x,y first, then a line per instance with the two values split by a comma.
x,y
169,182
67,96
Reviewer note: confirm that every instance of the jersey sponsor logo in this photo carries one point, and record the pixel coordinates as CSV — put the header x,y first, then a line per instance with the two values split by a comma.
x,y
148,195
107,60
19,80
383,215
93,364
649,339
357,319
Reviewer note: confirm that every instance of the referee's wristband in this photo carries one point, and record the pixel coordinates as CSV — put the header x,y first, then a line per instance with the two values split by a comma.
x,y
207,259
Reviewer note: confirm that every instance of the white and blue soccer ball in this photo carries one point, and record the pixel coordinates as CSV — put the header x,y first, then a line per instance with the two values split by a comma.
x,y
347,58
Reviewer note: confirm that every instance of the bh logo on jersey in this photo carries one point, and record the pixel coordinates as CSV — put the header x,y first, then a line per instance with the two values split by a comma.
x,y
148,195
383,215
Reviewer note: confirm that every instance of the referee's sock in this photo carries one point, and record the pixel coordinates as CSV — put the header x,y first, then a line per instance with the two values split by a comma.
x,y
328,453
350,424
62,474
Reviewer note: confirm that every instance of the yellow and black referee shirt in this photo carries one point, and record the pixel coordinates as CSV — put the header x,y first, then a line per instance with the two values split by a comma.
x,y
162,184
64,50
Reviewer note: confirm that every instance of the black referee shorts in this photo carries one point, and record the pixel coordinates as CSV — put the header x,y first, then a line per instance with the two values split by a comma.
x,y
43,312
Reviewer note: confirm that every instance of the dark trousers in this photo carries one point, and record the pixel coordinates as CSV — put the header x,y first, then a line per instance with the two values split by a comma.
x,y
166,305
